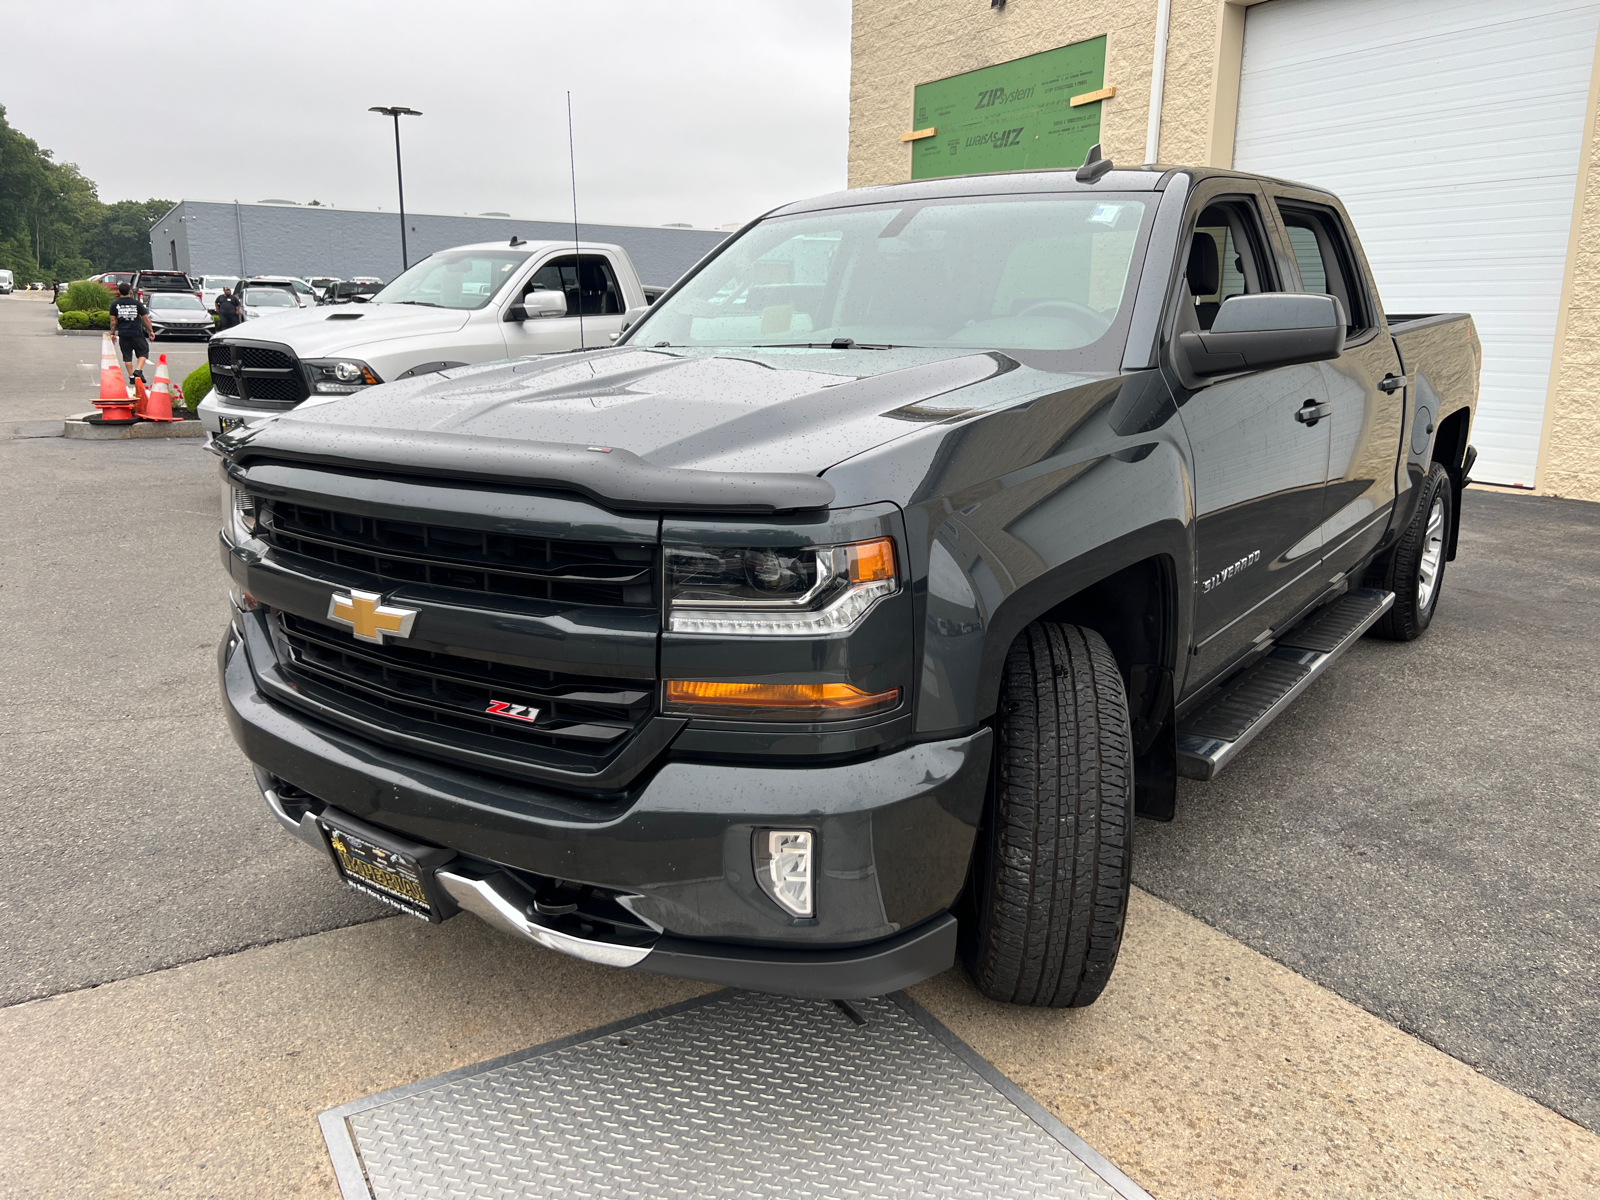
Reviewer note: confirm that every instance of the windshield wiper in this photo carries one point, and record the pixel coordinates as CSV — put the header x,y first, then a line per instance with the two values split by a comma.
x,y
836,344
423,303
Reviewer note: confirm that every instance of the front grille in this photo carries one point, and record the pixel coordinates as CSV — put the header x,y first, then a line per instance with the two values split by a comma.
x,y
447,697
259,375
493,564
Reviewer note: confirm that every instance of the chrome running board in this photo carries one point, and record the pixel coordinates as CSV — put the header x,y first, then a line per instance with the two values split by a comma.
x,y
1209,737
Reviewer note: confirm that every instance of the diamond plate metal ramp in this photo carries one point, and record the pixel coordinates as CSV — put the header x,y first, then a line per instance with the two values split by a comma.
x,y
731,1095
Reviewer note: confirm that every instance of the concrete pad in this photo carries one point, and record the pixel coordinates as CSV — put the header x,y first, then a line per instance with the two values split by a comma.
x,y
1209,1072
33,429
1205,1071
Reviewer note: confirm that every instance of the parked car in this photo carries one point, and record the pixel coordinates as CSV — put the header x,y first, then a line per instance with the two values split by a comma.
x,y
36,286
211,287
351,291
459,306
837,620
303,294
179,314
111,280
147,283
263,298
8,283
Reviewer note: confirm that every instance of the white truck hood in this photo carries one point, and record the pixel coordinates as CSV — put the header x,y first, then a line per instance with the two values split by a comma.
x,y
347,328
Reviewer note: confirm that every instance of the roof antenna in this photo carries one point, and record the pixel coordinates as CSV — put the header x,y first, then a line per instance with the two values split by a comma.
x,y
516,241
1094,166
577,260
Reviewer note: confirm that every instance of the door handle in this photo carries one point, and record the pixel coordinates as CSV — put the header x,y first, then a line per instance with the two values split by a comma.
x,y
1311,412
1392,383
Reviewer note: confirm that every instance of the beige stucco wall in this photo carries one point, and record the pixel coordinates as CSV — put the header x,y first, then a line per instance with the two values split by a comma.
x,y
1569,451
897,44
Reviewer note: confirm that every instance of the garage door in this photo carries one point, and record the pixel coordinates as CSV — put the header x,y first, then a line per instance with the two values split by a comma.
x,y
1451,129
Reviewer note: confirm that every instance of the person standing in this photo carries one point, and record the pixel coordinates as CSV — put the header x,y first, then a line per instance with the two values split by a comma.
x,y
228,308
134,331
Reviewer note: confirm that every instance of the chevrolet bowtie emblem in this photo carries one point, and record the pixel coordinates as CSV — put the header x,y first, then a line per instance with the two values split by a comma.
x,y
369,617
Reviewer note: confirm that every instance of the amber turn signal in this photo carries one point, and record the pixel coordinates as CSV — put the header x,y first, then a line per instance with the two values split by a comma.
x,y
776,701
871,561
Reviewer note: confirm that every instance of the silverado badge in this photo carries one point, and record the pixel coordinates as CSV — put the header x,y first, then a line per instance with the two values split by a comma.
x,y
369,617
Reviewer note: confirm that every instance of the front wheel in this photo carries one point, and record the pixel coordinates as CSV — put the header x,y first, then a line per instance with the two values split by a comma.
x,y
1050,878
1414,571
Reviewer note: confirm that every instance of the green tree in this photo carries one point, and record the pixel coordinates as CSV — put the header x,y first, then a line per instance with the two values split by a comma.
x,y
120,239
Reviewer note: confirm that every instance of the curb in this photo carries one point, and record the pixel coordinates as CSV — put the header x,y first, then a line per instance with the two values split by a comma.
x,y
77,427
79,332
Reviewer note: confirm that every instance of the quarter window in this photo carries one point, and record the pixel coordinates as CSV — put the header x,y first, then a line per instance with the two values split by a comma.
x,y
589,283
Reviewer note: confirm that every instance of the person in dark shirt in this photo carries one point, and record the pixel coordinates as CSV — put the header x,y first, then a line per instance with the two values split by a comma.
x,y
228,308
131,319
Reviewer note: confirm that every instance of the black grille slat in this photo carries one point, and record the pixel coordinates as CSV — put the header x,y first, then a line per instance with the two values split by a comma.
x,y
591,573
257,375
425,693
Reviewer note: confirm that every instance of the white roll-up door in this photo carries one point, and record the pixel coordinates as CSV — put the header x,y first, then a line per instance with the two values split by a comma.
x,y
1452,131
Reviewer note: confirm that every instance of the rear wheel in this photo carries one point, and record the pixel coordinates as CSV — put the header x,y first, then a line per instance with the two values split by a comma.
x,y
1051,873
1414,569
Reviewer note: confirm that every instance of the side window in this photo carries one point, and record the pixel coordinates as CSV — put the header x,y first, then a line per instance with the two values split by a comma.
x,y
1227,257
588,281
1322,253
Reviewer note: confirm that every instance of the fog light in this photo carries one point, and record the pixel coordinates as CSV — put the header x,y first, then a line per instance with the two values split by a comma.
x,y
784,868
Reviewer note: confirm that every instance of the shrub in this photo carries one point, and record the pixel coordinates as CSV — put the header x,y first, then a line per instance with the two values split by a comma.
x,y
100,318
74,320
197,384
83,296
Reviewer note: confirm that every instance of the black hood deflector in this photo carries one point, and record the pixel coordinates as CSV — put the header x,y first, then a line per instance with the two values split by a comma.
x,y
610,476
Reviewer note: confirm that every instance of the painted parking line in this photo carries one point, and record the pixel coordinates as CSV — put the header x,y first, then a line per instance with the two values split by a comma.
x,y
1205,1070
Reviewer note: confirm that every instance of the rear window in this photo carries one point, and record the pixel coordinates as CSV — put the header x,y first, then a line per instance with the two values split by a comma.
x,y
165,279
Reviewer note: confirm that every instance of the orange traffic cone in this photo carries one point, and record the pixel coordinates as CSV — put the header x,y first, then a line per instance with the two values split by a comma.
x,y
157,406
114,403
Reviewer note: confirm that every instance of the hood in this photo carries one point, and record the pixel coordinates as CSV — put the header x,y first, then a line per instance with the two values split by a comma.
x,y
758,411
344,328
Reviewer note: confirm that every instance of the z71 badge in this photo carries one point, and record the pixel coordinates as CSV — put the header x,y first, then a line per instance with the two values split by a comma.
x,y
515,712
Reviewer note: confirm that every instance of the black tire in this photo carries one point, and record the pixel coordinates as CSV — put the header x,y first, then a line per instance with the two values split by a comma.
x,y
1049,884
1402,570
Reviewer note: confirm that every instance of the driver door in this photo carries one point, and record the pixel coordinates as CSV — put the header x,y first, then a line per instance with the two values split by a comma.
x,y
589,282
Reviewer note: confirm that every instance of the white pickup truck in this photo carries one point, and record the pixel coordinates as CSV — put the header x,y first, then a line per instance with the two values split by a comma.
x,y
470,304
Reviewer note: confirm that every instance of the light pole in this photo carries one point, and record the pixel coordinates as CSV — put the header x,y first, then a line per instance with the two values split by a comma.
x,y
397,111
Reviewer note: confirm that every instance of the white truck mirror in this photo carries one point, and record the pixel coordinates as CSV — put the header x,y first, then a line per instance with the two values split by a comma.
x,y
545,304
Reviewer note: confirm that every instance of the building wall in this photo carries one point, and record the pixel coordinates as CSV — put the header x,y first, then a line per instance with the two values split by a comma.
x,y
1569,451
897,44
273,239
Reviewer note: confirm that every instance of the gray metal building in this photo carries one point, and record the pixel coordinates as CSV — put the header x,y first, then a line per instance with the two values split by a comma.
x,y
203,237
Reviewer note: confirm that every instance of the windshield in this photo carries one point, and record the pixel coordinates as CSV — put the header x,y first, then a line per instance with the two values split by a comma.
x,y
453,279
184,300
270,297
1040,273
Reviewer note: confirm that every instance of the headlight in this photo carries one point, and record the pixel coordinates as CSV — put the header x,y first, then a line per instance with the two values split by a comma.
x,y
238,514
763,591
340,376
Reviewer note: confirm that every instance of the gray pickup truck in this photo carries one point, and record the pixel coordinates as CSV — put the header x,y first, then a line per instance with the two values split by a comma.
x,y
836,621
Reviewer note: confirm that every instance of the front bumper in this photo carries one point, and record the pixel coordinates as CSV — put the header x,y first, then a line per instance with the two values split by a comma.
x,y
894,836
213,409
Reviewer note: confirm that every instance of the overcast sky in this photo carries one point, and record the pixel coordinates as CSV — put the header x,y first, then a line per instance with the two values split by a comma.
x,y
705,111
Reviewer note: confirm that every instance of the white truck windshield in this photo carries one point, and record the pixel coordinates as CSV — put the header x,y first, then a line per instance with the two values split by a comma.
x,y
453,279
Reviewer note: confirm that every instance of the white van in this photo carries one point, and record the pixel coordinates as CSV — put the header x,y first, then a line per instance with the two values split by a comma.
x,y
7,284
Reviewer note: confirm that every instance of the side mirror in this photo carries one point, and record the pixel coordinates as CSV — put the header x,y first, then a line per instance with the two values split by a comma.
x,y
632,315
1271,329
538,304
